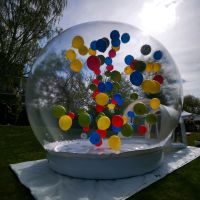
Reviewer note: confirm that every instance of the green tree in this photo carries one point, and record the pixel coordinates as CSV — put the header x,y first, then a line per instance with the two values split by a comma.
x,y
191,104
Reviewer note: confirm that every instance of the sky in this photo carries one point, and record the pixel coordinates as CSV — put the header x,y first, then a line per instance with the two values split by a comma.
x,y
175,23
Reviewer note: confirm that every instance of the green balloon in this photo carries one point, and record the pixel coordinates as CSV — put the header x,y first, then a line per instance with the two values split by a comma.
x,y
84,119
107,73
140,108
136,120
127,130
140,66
134,96
116,86
81,110
99,77
93,87
116,76
102,59
58,111
151,118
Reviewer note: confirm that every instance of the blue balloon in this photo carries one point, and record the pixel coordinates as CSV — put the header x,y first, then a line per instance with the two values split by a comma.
x,y
93,45
115,42
108,61
101,45
125,37
101,87
130,114
157,55
114,34
115,129
136,78
95,138
118,97
128,59
109,86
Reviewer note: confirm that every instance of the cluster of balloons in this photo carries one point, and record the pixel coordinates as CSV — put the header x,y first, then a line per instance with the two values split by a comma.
x,y
105,90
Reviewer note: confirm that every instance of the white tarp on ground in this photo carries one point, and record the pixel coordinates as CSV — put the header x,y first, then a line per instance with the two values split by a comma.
x,y
45,184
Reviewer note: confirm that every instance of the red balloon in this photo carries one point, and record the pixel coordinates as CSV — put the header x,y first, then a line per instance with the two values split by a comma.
x,y
96,81
99,108
113,101
112,53
99,144
158,78
95,93
97,71
109,67
86,129
71,114
133,64
142,129
93,62
102,133
117,121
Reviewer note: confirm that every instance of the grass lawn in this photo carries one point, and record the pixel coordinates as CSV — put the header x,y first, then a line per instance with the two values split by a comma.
x,y
18,144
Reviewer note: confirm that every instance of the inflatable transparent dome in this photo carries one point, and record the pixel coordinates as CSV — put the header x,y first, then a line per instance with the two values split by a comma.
x,y
103,89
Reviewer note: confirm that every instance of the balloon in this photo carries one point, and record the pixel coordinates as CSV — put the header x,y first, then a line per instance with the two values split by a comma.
x,y
109,86
92,52
127,130
118,97
107,41
102,99
102,133
130,114
140,66
95,81
101,45
142,129
95,138
145,49
72,115
102,59
99,144
93,87
158,78
115,42
65,122
70,54
151,118
128,70
156,87
101,87
84,136
140,108
58,111
136,78
108,61
156,67
125,119
81,110
155,103
116,76
116,86
149,67
128,59
113,101
150,86
116,48
125,37
117,121
157,55
107,73
112,53
111,106
109,67
77,42
115,129
76,65
84,119
86,129
83,50
99,108
103,123
114,142
95,93
114,34
93,62
100,77
99,116
93,45
134,96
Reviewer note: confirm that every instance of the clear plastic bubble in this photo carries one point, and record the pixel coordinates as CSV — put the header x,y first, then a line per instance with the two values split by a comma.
x,y
71,76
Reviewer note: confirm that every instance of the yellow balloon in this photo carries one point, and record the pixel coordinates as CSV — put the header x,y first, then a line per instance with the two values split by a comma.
x,y
83,50
145,86
125,118
114,142
156,67
128,70
77,42
70,54
111,106
103,123
65,122
102,99
92,52
116,48
156,87
155,103
76,65
149,67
